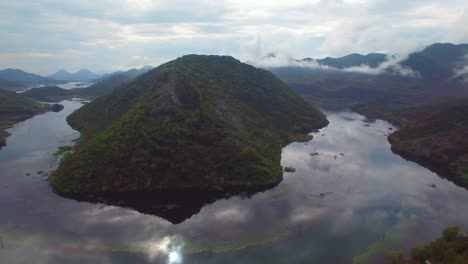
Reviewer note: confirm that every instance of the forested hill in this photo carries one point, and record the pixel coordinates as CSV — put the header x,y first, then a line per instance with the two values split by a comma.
x,y
195,122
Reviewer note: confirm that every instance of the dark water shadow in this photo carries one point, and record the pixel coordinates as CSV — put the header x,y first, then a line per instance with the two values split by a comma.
x,y
175,206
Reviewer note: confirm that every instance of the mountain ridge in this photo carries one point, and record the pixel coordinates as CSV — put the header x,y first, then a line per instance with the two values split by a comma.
x,y
80,75
16,80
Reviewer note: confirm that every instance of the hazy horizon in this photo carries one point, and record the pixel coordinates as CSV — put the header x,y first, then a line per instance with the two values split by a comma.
x,y
45,36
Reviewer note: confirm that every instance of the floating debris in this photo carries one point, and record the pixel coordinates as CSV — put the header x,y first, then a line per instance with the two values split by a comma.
x,y
39,172
320,195
314,154
289,169
432,185
341,154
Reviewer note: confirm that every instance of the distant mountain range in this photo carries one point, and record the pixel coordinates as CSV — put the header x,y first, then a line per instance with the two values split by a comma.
x,y
274,60
352,60
132,73
81,75
434,74
439,62
17,80
103,86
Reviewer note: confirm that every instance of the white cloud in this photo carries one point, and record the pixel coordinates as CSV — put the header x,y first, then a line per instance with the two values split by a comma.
x,y
391,65
461,72
111,31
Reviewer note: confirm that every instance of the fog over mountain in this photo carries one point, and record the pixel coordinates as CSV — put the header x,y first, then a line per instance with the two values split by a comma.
x,y
436,62
374,63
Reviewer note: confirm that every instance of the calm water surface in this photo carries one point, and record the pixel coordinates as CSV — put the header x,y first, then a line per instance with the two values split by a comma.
x,y
372,201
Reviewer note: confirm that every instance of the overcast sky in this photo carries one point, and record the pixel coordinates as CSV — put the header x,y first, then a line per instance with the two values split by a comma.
x,y
43,36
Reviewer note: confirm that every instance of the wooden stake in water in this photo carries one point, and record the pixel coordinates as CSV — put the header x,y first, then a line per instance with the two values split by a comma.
x,y
1,241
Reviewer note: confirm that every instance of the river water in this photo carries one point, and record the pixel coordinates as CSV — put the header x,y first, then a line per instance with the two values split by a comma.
x,y
352,201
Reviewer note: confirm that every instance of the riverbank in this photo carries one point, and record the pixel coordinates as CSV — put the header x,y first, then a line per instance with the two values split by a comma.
x,y
433,136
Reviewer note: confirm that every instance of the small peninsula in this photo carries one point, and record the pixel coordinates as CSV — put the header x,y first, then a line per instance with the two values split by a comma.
x,y
15,108
198,122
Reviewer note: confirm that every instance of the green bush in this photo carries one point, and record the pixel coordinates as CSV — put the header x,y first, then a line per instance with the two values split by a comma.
x,y
451,233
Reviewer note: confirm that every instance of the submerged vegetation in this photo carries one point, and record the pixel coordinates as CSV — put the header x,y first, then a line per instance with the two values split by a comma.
x,y
195,122
62,150
451,248
391,239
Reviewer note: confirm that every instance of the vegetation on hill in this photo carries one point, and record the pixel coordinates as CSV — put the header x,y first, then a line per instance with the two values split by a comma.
x,y
437,137
48,94
198,122
451,248
15,108
103,87
432,135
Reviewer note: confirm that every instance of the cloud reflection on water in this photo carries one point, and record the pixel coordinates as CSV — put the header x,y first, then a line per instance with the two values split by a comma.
x,y
371,191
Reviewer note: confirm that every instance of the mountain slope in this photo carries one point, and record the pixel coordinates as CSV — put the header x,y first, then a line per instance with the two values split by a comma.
x,y
105,86
438,62
48,94
353,60
435,136
196,122
11,85
16,80
132,73
15,108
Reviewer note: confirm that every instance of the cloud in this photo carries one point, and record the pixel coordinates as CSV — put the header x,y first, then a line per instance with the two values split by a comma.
x,y
391,66
111,31
462,72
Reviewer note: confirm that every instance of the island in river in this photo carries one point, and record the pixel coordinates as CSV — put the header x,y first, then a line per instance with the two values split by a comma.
x,y
198,122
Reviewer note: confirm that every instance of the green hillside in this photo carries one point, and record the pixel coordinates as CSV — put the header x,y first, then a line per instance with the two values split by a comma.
x,y
196,122
435,136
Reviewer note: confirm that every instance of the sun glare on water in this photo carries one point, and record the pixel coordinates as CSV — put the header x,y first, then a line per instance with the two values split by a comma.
x,y
174,257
